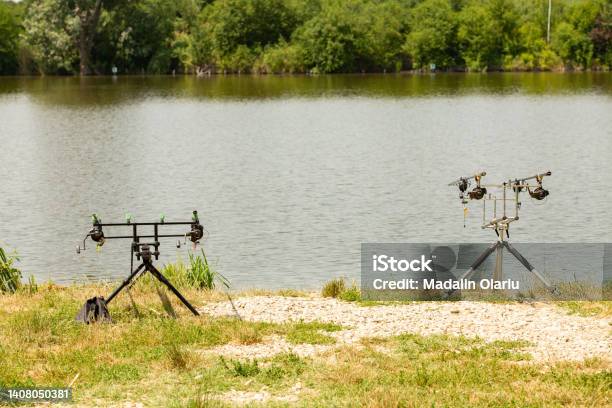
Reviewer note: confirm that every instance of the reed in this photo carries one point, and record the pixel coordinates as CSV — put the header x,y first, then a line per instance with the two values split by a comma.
x,y
10,276
201,275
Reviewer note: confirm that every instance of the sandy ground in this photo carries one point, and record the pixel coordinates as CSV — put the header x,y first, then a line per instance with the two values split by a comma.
x,y
553,334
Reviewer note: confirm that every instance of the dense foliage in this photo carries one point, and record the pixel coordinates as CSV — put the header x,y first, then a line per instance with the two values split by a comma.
x,y
316,36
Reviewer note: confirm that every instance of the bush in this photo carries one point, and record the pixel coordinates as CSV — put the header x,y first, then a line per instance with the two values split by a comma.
x,y
351,294
573,46
333,288
240,61
336,288
282,59
10,277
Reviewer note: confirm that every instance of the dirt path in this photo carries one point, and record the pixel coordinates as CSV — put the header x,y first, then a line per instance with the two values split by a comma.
x,y
553,333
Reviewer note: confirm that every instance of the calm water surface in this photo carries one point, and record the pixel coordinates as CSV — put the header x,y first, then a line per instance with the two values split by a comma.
x,y
292,174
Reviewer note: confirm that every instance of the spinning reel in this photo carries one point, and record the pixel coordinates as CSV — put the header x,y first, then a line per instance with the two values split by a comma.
x,y
463,183
196,233
96,234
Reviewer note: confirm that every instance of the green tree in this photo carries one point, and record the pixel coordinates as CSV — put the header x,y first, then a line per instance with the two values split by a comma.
x,y
574,47
87,15
141,36
278,36
601,36
334,40
432,36
531,52
571,38
49,26
488,33
228,26
9,39
385,33
62,32
478,38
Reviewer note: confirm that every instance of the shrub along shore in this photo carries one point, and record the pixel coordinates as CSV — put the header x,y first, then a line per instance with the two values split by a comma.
x,y
156,353
302,36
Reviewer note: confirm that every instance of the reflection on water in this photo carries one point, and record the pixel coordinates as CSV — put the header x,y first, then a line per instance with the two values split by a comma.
x,y
72,91
291,174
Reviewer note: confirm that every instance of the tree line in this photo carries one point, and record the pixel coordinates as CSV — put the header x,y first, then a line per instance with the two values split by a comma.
x,y
301,36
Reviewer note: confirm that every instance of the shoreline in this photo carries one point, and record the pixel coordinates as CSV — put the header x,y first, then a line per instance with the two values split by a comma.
x,y
407,73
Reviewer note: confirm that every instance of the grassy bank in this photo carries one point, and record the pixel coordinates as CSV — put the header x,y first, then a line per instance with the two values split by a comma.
x,y
146,355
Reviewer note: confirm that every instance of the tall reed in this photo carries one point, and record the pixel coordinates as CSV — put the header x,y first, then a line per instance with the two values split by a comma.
x,y
201,275
10,277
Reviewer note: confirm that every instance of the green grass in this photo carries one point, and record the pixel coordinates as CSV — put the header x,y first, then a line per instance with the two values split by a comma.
x,y
201,275
333,288
601,308
198,273
453,371
337,288
40,344
311,333
160,361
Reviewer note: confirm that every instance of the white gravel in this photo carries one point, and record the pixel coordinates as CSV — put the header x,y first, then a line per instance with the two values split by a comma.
x,y
553,333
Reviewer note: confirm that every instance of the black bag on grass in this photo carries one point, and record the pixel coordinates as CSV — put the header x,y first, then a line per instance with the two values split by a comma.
x,y
94,310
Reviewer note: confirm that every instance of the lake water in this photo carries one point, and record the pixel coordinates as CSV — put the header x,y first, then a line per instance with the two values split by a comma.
x,y
291,174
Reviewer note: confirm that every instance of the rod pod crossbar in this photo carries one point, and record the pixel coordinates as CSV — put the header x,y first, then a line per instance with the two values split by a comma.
x,y
145,251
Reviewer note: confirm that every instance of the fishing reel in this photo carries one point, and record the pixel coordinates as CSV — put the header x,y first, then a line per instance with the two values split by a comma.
x,y
463,183
196,233
96,234
539,193
477,193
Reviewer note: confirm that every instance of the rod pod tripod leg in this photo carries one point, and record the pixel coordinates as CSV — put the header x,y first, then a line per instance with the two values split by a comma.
x,y
527,265
148,267
125,283
483,257
498,247
166,282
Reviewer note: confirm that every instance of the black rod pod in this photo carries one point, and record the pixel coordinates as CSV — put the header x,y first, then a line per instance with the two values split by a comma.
x,y
143,251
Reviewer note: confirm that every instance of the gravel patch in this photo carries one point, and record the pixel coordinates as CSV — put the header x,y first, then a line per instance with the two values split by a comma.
x,y
554,335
